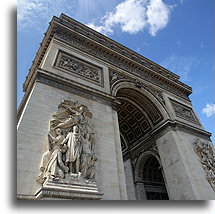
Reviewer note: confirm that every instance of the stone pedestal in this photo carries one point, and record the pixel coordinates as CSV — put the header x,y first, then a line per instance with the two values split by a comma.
x,y
77,190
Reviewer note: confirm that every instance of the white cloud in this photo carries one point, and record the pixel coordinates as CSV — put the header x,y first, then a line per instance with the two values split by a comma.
x,y
26,10
99,28
157,16
209,110
130,15
36,14
134,16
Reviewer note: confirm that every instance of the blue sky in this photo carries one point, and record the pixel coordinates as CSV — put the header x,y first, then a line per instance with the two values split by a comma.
x,y
177,34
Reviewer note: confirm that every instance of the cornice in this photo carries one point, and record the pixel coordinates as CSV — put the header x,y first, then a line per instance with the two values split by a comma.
x,y
166,126
178,125
114,46
56,80
118,48
84,38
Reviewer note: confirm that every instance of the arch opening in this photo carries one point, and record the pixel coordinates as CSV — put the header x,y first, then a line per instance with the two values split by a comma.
x,y
153,180
138,116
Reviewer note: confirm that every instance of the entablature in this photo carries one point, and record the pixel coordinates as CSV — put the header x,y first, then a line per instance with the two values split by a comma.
x,y
86,39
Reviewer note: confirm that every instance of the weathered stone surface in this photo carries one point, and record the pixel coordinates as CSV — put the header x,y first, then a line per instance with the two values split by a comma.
x,y
183,172
32,135
206,156
64,190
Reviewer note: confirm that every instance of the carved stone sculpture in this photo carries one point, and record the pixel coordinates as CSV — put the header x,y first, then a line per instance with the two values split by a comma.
x,y
184,112
87,157
79,67
70,154
206,156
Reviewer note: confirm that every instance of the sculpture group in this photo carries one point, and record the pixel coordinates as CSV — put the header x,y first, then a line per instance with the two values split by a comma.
x,y
70,153
206,156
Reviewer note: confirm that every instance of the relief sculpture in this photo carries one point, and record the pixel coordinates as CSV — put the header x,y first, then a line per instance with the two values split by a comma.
x,y
184,112
70,155
206,156
86,70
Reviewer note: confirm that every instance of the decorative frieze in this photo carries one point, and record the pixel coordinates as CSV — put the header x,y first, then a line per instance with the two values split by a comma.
x,y
68,22
184,112
207,159
86,70
119,61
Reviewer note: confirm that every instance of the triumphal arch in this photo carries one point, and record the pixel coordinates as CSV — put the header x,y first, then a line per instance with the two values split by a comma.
x,y
101,122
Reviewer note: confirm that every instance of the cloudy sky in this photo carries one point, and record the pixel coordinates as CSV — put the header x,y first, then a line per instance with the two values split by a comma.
x,y
177,34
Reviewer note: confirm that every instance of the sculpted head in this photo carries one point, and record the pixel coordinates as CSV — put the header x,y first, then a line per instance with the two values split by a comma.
x,y
75,129
58,131
64,148
87,136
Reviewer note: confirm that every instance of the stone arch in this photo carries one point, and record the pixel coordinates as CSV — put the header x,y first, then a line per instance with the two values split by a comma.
x,y
128,84
154,125
139,112
149,178
138,169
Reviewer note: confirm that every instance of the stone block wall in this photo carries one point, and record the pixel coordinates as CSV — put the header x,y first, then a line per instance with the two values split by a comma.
x,y
32,141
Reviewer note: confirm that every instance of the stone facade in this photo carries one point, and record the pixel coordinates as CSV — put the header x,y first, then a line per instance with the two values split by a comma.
x,y
138,121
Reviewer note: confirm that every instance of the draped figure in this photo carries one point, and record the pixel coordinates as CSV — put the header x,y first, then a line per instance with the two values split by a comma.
x,y
71,141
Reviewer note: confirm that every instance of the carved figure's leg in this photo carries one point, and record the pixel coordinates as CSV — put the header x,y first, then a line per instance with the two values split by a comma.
x,y
77,164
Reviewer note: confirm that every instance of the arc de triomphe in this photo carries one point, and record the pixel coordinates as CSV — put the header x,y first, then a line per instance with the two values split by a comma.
x,y
99,121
